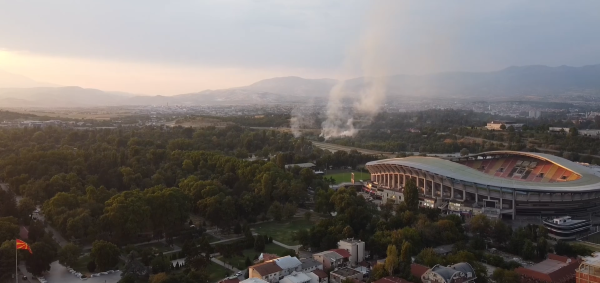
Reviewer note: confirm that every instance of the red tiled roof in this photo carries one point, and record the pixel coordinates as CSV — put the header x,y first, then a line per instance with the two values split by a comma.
x,y
320,273
266,268
558,275
391,279
417,270
342,252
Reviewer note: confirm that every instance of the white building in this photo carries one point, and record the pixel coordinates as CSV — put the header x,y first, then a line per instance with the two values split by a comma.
x,y
288,265
309,265
356,248
296,277
253,280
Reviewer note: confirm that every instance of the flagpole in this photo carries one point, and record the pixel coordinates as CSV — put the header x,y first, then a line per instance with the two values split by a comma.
x,y
16,262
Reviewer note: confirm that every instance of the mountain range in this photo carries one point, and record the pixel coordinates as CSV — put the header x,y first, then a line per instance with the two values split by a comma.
x,y
513,82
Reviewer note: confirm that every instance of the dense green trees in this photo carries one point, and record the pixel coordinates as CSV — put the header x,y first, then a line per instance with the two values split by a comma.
x,y
411,195
105,255
69,254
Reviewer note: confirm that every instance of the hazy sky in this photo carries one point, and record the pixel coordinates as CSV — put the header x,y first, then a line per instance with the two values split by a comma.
x,y
172,47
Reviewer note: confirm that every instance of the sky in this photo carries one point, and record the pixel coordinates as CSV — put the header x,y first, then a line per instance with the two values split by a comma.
x,y
172,47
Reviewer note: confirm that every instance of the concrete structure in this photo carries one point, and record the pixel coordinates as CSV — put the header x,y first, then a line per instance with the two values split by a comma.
x,y
535,113
301,165
339,275
309,265
589,270
253,280
288,265
497,183
458,273
318,276
555,269
296,277
356,248
268,271
330,259
497,125
565,228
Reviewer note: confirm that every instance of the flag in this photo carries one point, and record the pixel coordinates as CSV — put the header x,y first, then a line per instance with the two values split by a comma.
x,y
23,246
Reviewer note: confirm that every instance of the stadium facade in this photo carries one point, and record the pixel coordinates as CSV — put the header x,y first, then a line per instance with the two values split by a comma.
x,y
497,183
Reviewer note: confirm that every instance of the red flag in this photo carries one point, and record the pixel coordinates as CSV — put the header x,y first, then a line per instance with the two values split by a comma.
x,y
23,246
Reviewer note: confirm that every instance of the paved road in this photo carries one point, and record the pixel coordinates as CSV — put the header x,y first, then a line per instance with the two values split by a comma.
x,y
336,147
60,274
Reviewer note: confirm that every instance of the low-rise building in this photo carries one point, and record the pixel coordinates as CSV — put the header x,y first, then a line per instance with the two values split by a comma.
x,y
253,280
296,277
267,271
309,265
457,273
288,265
318,276
589,270
392,279
330,259
555,269
565,228
339,275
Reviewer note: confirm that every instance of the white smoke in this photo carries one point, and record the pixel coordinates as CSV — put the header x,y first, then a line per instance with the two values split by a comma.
x,y
372,56
302,117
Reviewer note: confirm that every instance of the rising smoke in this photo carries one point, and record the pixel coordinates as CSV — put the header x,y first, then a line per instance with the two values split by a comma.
x,y
302,117
372,56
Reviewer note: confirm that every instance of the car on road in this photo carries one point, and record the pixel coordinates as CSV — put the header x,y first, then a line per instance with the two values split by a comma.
x,y
238,274
24,277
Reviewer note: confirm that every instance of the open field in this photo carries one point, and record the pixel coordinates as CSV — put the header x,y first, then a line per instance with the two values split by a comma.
x,y
282,232
159,247
216,272
239,262
345,176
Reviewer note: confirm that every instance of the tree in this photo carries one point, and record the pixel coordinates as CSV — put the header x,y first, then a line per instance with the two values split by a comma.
x,y
411,195
405,255
8,229
511,129
429,257
36,231
348,232
159,278
573,132
378,272
26,207
43,255
248,262
289,210
503,127
307,215
500,231
464,152
259,243
542,247
505,276
479,224
160,264
391,261
105,254
528,252
91,266
69,254
276,211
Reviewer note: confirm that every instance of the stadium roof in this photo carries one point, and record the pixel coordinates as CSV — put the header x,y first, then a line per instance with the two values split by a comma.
x,y
589,181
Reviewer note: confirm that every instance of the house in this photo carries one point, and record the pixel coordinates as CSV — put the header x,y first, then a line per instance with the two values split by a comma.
x,y
443,250
253,280
356,249
288,265
296,277
458,273
589,270
227,280
555,269
301,165
309,264
418,270
266,257
267,271
391,279
329,259
318,276
339,275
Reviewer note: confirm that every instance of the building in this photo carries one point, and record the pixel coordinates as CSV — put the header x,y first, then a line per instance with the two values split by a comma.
x,y
339,275
391,279
330,259
535,114
555,269
589,269
301,165
232,280
356,249
309,265
296,277
318,276
565,228
418,270
497,125
458,273
288,265
266,257
267,271
443,250
253,280
496,183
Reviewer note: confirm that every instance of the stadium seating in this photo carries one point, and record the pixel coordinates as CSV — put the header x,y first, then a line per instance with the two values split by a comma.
x,y
522,168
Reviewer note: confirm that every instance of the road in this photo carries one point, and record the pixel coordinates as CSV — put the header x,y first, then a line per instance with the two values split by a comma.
x,y
336,147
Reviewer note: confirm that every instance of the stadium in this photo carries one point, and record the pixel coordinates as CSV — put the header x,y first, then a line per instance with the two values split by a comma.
x,y
497,183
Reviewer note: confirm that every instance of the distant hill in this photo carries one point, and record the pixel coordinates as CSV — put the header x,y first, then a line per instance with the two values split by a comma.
x,y
510,83
9,80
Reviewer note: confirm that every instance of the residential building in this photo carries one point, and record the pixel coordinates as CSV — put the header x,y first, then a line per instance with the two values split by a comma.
x,y
589,270
330,259
418,270
288,265
318,276
356,248
267,271
296,277
228,280
565,228
497,125
443,250
339,275
391,279
309,265
301,165
253,280
266,257
458,273
555,269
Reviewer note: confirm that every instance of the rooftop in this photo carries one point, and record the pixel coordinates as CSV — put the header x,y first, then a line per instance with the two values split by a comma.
x,y
301,165
253,280
552,269
417,270
391,279
266,268
298,277
309,263
345,272
342,252
287,262
330,254
320,273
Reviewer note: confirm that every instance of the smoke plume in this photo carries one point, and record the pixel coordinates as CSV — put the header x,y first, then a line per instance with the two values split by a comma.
x,y
302,117
371,54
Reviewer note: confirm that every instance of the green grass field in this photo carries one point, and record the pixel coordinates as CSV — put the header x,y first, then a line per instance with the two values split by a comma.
x,y
282,232
239,261
217,272
346,176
